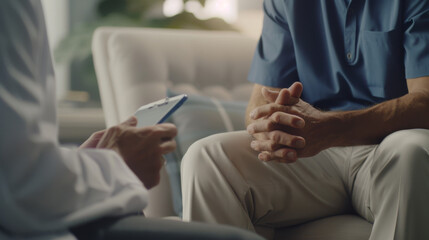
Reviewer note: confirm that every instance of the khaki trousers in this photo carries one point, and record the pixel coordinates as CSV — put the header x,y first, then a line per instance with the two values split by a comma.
x,y
387,184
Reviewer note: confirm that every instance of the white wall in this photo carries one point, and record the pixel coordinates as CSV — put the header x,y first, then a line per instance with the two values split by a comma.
x,y
245,15
57,15
250,17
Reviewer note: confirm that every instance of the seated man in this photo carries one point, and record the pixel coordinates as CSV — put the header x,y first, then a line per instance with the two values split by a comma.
x,y
47,191
342,92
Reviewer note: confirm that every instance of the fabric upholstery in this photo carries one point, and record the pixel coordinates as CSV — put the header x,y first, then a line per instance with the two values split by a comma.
x,y
199,117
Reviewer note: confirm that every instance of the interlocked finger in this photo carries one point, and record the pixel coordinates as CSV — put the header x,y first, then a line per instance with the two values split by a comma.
x,y
283,155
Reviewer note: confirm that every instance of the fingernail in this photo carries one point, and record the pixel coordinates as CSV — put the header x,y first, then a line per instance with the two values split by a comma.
x,y
291,155
299,143
253,144
132,119
250,129
263,158
253,114
300,123
273,91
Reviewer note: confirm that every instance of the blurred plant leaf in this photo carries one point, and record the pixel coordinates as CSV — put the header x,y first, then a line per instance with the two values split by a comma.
x,y
106,7
131,8
141,7
128,13
77,45
202,2
186,20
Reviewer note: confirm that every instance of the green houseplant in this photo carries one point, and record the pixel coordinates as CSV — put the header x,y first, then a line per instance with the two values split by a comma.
x,y
76,47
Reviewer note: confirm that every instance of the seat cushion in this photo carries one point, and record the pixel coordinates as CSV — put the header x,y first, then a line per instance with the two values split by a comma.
x,y
342,227
199,117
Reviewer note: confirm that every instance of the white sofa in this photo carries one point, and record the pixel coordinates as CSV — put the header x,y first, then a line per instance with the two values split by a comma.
x,y
135,66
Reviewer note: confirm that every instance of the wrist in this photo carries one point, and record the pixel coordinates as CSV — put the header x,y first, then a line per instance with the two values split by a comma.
x,y
332,129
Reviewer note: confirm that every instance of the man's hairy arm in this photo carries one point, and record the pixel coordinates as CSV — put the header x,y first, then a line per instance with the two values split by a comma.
x,y
329,129
371,125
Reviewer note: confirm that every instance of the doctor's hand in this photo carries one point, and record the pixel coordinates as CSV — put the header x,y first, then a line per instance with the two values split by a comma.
x,y
292,127
141,148
93,140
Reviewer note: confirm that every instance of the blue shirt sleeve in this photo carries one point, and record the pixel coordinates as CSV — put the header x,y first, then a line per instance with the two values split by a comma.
x,y
416,39
274,61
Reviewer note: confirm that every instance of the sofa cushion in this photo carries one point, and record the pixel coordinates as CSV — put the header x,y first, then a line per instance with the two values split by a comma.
x,y
199,117
350,227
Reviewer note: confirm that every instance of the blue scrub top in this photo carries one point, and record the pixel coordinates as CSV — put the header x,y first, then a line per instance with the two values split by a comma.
x,y
348,54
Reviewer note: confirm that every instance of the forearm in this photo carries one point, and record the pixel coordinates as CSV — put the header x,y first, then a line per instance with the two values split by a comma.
x,y
371,125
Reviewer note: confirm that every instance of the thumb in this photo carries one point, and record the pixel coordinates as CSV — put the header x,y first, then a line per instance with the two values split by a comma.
x,y
270,95
284,97
130,122
296,89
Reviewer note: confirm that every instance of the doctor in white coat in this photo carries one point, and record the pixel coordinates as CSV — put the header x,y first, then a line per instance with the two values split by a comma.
x,y
45,189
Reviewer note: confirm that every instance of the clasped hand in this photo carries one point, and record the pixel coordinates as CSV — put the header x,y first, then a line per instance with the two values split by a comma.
x,y
286,128
142,149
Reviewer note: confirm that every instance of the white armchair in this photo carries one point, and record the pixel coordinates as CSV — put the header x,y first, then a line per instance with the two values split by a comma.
x,y
137,66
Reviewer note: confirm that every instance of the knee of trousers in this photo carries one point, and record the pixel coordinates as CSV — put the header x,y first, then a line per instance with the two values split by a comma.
x,y
211,155
403,154
197,161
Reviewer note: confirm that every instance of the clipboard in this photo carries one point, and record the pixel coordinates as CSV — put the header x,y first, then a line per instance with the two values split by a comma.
x,y
159,111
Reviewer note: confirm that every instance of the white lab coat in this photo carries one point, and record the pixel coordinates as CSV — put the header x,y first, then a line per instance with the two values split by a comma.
x,y
45,188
